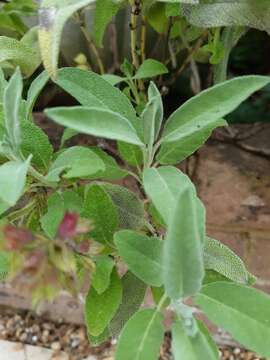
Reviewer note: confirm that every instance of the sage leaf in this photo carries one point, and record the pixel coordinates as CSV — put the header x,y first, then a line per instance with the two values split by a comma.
x,y
102,275
99,208
11,107
133,295
132,154
55,213
194,347
53,15
230,305
223,260
97,122
141,337
12,180
191,124
142,254
75,162
34,91
150,68
101,308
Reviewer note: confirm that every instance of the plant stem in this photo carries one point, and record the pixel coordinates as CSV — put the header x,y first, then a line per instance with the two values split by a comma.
x,y
143,39
133,34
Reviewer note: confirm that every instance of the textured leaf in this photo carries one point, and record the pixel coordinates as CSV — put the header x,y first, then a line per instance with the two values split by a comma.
x,y
35,89
220,258
112,170
98,340
53,15
55,213
102,275
11,106
142,254
133,295
105,11
150,68
229,13
132,154
90,89
141,337
95,121
174,197
34,141
191,124
4,265
191,347
19,54
75,162
129,207
99,208
242,311
12,180
72,201
100,309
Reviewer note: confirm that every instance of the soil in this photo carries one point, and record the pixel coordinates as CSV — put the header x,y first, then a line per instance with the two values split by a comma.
x,y
27,328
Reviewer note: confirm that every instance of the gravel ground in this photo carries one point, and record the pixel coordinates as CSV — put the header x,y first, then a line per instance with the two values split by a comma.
x,y
30,329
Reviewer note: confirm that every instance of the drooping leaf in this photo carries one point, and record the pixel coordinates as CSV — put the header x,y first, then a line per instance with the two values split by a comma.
x,y
105,11
12,180
95,121
75,162
101,308
99,208
174,197
90,89
102,275
34,141
229,13
55,213
242,311
189,347
222,259
150,68
133,295
11,106
141,337
129,207
191,124
35,89
142,254
53,15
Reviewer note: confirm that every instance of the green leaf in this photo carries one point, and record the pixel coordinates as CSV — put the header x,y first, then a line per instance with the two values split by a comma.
x,y
98,340
11,106
75,162
232,13
34,141
19,54
100,309
191,124
3,206
141,337
99,208
105,11
102,275
55,212
133,295
95,121
194,347
53,15
72,201
112,170
152,115
223,260
3,84
242,311
91,90
132,154
4,265
12,180
129,207
149,69
34,91
175,199
142,254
